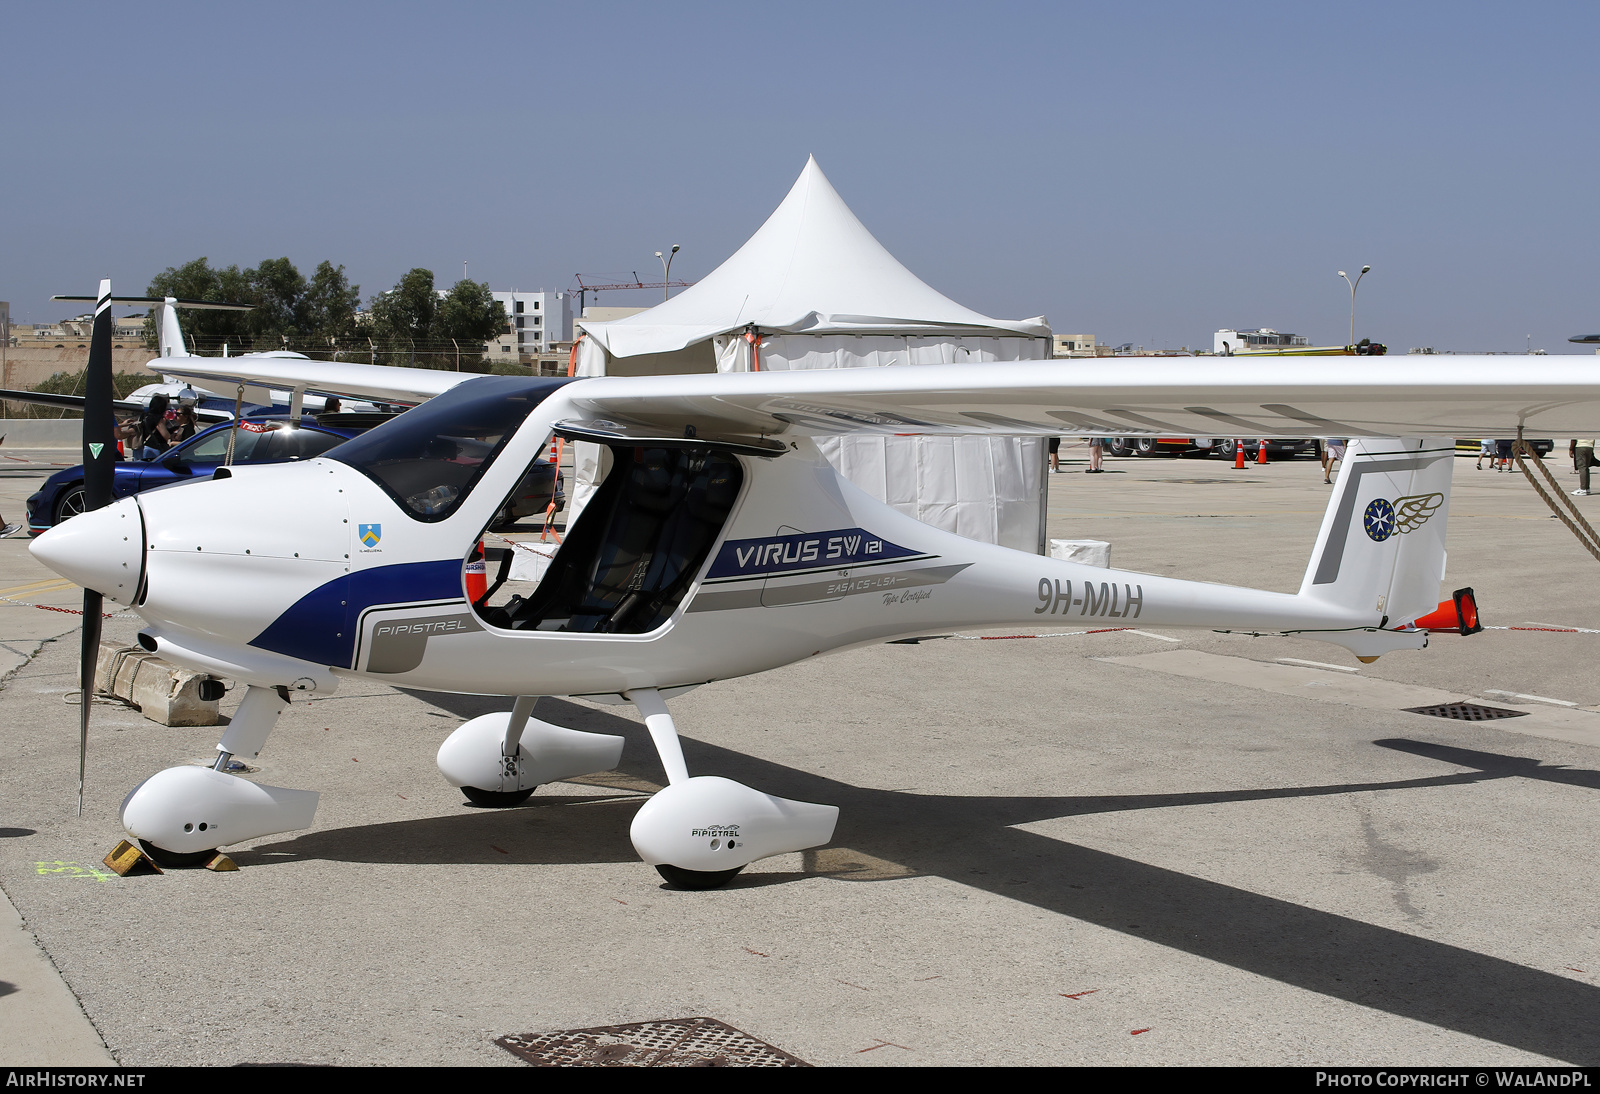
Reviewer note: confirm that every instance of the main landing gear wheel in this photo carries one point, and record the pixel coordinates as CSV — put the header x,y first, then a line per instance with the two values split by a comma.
x,y
697,880
177,860
497,799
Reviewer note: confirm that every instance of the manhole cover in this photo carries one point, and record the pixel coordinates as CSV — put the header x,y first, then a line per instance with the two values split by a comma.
x,y
1467,712
678,1042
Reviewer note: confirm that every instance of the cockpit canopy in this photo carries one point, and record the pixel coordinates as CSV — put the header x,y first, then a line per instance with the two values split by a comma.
x,y
430,458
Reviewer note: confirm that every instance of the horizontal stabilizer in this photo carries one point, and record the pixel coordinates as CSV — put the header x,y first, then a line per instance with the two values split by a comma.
x,y
201,305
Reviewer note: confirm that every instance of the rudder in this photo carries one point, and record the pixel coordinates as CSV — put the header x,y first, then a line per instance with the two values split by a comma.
x,y
1381,551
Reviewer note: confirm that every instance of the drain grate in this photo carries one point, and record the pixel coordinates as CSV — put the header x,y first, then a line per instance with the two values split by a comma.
x,y
677,1042
1467,712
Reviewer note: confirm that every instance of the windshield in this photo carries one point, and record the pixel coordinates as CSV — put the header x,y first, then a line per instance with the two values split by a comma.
x,y
430,458
213,447
255,442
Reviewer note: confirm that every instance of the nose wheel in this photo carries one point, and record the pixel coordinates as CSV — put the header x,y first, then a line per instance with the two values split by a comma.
x,y
497,799
696,880
177,860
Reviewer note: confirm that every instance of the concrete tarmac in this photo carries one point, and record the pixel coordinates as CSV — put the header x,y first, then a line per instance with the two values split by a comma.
x,y
1163,847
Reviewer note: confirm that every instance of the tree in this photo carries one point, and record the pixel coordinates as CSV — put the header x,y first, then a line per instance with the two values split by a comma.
x,y
470,313
289,310
469,316
277,290
196,280
403,316
328,307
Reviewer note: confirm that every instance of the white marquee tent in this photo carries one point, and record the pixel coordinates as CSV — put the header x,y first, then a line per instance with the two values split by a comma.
x,y
813,289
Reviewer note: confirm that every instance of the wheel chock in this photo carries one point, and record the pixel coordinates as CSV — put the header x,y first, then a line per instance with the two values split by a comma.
x,y
127,859
222,863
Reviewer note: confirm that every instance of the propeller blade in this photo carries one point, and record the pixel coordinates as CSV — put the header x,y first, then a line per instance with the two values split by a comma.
x,y
99,421
99,456
88,656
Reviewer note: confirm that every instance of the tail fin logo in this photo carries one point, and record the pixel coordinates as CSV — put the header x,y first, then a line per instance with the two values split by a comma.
x,y
1383,518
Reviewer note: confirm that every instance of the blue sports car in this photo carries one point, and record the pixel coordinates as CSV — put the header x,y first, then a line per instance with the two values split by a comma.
x,y
259,440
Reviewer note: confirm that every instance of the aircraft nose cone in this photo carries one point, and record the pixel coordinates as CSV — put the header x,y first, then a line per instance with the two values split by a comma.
x,y
101,550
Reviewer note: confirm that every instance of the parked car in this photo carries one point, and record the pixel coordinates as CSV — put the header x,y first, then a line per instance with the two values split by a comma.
x,y
260,440
1469,447
1205,446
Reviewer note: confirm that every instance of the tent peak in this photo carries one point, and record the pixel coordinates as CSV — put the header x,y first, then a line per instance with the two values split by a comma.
x,y
812,267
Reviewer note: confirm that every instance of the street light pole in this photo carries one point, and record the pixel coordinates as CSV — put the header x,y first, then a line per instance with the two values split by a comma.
x,y
1353,285
666,271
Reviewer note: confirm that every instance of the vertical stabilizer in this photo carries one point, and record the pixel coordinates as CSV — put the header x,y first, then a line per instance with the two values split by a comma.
x,y
1381,548
171,331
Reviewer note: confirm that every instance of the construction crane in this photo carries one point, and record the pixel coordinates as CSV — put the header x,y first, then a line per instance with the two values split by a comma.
x,y
586,287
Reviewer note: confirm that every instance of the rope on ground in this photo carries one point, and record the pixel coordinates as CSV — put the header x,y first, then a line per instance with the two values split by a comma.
x,y
1586,534
53,608
1551,630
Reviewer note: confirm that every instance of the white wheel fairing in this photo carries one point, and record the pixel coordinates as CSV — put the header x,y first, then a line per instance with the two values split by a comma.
x,y
710,824
186,809
472,755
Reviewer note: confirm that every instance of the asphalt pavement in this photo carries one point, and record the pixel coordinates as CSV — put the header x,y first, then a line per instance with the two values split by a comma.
x,y
1159,847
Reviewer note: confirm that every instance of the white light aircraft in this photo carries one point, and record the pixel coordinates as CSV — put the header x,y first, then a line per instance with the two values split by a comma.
x,y
722,544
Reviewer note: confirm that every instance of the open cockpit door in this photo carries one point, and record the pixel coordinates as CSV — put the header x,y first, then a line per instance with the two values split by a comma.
x,y
636,549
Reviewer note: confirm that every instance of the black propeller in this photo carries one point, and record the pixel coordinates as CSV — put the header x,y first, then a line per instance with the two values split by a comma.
x,y
99,456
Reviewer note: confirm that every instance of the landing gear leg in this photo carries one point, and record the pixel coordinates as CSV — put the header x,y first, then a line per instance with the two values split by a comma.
x,y
700,832
663,732
247,733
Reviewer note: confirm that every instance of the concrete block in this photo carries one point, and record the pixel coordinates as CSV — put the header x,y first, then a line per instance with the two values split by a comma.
x,y
161,690
1090,552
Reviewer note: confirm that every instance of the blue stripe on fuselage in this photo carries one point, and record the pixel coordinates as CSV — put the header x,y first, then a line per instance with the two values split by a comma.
x,y
321,626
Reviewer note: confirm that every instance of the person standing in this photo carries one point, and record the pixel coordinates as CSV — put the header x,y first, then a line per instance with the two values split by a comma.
x,y
1095,456
157,434
1583,458
1333,453
1055,455
186,426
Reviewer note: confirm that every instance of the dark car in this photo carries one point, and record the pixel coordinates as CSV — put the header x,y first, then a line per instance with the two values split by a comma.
x,y
1541,448
259,440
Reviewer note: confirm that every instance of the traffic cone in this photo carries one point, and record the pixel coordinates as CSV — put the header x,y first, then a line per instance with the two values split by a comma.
x,y
477,575
1238,455
1458,614
1261,452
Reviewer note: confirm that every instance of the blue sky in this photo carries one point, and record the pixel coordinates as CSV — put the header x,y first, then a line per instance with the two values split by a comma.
x,y
1144,172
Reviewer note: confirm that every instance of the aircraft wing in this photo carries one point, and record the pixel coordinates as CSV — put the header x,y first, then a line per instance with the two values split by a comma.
x,y
75,402
387,383
1410,396
1466,396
